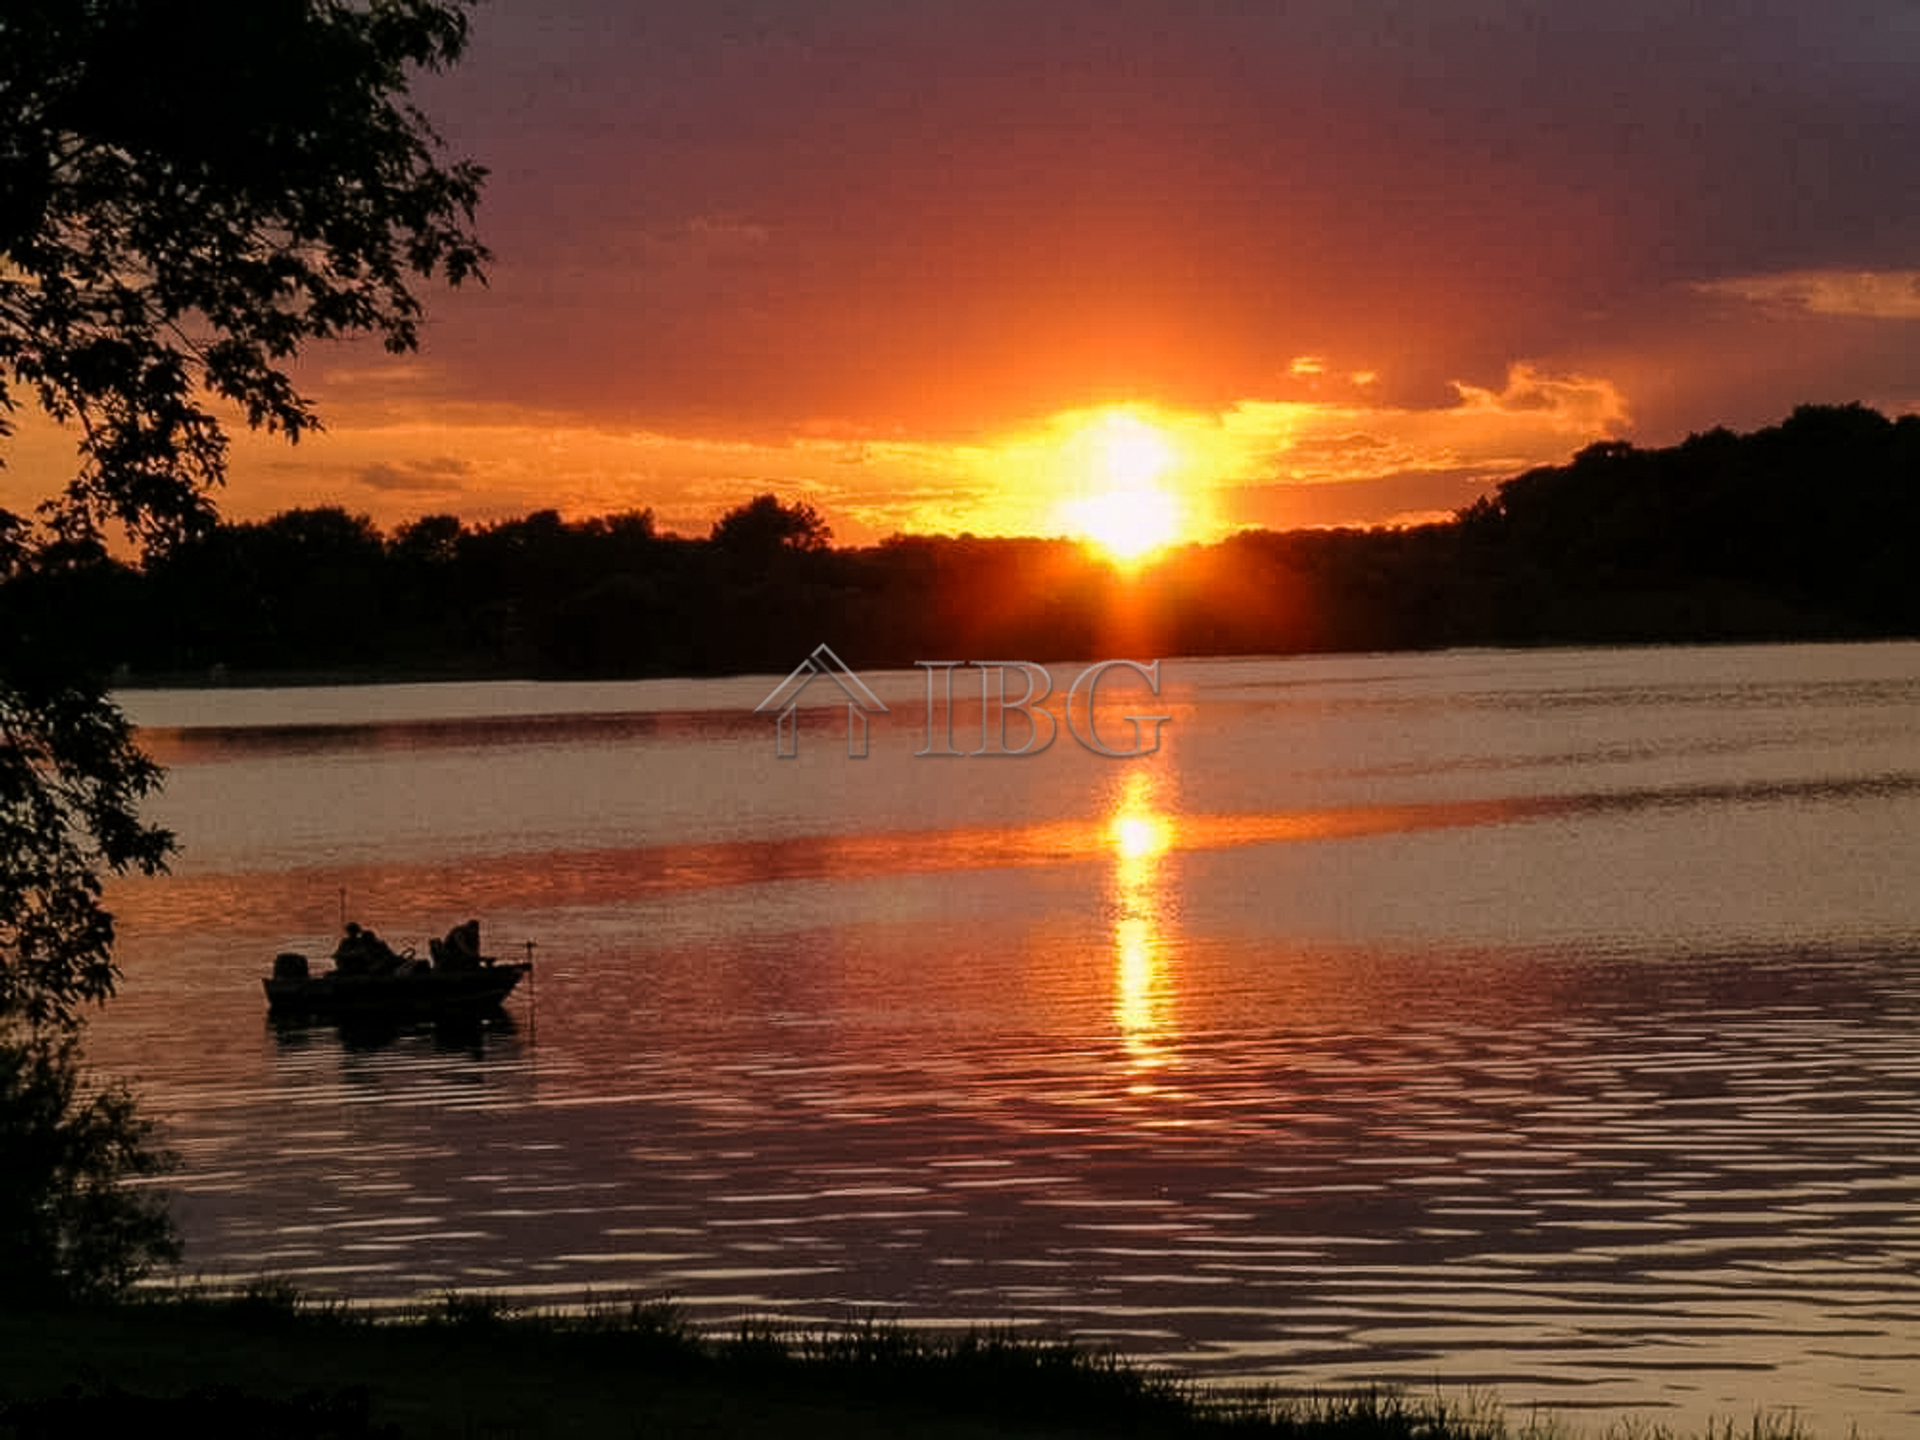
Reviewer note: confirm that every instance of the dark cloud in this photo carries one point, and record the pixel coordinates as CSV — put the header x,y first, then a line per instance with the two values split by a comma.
x,y
444,474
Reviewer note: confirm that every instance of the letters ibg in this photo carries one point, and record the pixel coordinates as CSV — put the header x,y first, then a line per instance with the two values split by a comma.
x,y
1041,728
995,705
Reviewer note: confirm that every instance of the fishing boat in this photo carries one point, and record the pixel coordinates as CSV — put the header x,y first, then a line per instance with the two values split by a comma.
x,y
453,983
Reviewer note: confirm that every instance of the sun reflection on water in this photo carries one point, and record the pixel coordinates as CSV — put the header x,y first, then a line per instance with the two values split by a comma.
x,y
1141,835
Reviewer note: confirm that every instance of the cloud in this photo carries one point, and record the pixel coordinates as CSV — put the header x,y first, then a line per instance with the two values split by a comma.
x,y
1875,294
721,233
1346,456
1534,416
443,474
1570,402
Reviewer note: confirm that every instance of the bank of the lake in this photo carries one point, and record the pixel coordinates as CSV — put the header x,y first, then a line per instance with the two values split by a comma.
x,y
266,1363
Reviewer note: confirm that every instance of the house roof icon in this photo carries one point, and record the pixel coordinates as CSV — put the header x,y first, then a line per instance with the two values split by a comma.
x,y
785,701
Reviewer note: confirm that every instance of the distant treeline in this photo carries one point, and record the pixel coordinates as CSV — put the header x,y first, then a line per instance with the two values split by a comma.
x,y
1809,529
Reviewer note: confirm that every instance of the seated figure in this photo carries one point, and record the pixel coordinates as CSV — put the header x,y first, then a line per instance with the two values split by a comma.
x,y
461,949
361,952
382,958
352,956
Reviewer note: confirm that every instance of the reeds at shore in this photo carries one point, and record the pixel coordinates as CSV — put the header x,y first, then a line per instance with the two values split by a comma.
x,y
266,1360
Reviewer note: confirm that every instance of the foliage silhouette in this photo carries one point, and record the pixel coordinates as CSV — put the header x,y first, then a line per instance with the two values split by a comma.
x,y
761,528
1805,530
190,191
70,1228
193,189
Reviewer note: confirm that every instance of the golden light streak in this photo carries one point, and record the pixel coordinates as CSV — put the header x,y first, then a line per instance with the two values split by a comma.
x,y
1140,835
394,450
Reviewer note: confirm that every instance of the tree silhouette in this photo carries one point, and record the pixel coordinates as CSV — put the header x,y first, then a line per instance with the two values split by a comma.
x,y
194,189
190,191
763,527
68,1227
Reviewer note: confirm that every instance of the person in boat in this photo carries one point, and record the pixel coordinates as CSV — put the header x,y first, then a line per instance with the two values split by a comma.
x,y
384,958
361,952
351,956
461,949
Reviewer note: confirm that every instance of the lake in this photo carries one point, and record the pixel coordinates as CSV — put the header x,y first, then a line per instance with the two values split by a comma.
x,y
1546,1021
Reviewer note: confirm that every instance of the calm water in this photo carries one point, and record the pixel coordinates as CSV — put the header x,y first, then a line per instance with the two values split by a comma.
x,y
1547,1021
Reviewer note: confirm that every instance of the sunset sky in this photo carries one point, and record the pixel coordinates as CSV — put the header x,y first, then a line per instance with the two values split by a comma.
x,y
1345,262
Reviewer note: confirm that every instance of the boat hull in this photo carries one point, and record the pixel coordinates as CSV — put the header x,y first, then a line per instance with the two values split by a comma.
x,y
424,993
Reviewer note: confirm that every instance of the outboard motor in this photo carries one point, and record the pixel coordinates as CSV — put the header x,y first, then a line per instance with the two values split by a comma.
x,y
289,965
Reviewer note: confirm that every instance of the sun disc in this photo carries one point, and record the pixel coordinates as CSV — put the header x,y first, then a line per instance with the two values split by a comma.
x,y
1127,524
1133,454
1123,482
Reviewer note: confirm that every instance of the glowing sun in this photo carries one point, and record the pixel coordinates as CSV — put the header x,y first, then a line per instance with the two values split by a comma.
x,y
1119,461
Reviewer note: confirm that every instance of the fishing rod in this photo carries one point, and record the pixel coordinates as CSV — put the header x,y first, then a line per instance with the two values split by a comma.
x,y
533,998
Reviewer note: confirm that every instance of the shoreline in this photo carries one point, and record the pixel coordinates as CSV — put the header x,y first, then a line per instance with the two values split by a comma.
x,y
220,677
268,1361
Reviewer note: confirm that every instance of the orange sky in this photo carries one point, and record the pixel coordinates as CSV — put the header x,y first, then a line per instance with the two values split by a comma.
x,y
1355,261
